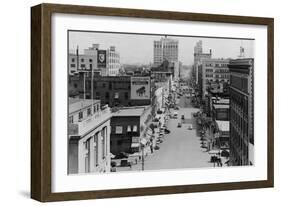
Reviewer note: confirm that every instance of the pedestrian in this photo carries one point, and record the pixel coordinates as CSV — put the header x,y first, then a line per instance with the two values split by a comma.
x,y
151,148
220,162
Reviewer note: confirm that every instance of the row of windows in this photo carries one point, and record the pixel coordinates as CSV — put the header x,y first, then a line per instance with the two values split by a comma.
x,y
83,66
116,95
114,61
215,65
172,46
130,128
82,60
225,76
222,71
81,114
114,55
112,85
97,144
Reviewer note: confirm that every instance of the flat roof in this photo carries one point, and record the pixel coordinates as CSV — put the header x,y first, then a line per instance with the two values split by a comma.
x,y
76,104
221,106
223,125
129,112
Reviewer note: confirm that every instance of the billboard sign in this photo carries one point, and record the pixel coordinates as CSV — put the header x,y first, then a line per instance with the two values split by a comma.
x,y
101,58
140,88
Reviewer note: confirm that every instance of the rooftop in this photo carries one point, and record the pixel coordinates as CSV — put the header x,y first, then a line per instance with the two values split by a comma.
x,y
223,125
220,100
130,111
221,106
76,104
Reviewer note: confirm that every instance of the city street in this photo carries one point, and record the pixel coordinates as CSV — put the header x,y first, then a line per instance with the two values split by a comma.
x,y
181,148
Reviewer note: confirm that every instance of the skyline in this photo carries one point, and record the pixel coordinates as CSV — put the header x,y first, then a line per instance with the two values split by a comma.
x,y
138,48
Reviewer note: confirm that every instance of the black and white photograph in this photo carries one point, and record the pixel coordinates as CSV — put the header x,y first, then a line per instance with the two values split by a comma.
x,y
139,102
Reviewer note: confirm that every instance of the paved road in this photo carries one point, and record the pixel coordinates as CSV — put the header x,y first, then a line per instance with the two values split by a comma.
x,y
181,148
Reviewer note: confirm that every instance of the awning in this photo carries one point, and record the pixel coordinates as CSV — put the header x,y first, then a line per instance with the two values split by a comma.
x,y
149,132
135,144
143,141
214,151
112,155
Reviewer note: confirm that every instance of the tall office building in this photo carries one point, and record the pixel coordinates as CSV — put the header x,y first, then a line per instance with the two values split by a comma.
x,y
198,56
113,62
212,73
241,111
165,49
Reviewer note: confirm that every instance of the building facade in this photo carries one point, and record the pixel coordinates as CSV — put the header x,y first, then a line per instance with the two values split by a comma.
x,y
212,73
110,90
80,63
113,62
88,137
129,127
198,56
165,49
88,61
241,111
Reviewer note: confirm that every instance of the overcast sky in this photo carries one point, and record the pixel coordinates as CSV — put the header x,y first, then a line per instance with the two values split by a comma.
x,y
138,49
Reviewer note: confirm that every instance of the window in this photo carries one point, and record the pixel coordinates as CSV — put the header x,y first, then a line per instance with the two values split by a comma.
x,y
106,140
89,111
119,142
83,65
80,115
116,95
118,129
87,168
103,138
129,129
107,95
90,60
70,120
72,65
126,95
96,145
135,128
97,94
87,159
82,60
73,60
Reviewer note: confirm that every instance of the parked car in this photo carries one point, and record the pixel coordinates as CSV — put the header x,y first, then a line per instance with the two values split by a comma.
x,y
179,124
182,116
121,155
167,131
125,163
175,115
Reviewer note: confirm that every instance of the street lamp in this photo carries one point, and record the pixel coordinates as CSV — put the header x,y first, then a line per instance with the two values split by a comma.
x,y
142,143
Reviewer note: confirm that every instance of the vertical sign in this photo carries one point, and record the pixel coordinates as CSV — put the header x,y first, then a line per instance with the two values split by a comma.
x,y
101,58
140,87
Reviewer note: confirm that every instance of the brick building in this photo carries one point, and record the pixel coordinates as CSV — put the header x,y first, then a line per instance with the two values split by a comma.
x,y
128,127
110,90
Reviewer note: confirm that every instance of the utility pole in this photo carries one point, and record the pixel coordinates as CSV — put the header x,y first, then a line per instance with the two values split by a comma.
x,y
142,163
